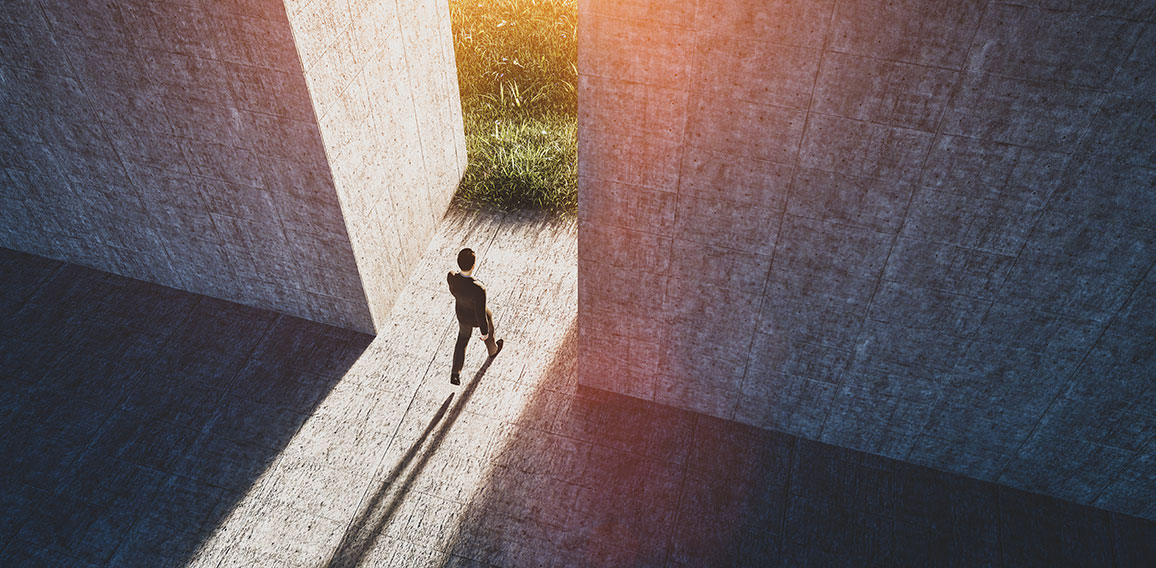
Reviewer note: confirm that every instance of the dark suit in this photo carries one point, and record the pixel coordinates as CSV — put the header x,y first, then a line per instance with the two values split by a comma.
x,y
472,312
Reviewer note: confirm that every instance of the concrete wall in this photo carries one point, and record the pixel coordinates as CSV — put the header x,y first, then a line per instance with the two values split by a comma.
x,y
920,229
194,144
384,87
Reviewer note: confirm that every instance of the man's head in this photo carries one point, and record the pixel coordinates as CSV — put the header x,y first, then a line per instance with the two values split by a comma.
x,y
466,259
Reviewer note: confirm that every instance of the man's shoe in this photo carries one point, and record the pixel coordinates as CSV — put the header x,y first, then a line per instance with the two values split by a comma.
x,y
501,342
455,379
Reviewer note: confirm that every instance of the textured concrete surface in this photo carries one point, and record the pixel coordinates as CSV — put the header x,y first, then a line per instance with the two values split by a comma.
x,y
383,82
920,229
225,148
146,426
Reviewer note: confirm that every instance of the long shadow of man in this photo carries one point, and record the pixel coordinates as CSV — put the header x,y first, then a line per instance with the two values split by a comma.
x,y
362,533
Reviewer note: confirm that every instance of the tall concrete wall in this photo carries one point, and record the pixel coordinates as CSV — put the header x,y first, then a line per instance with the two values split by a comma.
x,y
384,87
195,144
922,229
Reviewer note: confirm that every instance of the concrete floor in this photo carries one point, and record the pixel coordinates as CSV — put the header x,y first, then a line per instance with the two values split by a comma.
x,y
145,426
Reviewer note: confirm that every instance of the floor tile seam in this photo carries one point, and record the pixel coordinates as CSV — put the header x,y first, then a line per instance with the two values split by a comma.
x,y
293,505
380,387
200,432
682,488
241,540
594,444
432,495
34,506
560,390
236,538
170,476
999,526
484,416
202,529
540,315
394,437
307,456
164,475
793,462
243,362
37,289
491,476
496,230
474,528
20,528
283,408
113,410
46,548
293,458
1114,535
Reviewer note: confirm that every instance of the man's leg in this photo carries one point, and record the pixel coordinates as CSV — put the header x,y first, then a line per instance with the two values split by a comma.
x,y
491,341
464,332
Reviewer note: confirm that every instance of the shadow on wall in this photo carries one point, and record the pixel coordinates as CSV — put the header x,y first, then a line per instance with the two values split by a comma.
x,y
591,478
136,416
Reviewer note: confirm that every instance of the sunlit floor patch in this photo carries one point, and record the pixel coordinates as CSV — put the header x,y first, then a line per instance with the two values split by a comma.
x,y
384,469
151,427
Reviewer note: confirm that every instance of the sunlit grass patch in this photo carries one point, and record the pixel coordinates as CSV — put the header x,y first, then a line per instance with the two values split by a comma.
x,y
517,73
522,163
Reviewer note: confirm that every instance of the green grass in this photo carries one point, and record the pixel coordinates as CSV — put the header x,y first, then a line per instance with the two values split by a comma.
x,y
517,73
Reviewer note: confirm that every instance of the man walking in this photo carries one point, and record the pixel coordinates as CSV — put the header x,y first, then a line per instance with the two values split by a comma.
x,y
471,311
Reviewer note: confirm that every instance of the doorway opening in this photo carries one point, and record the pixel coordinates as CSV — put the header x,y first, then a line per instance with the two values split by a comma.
x,y
518,74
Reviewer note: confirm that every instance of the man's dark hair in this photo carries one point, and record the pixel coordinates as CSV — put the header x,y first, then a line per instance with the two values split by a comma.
x,y
466,259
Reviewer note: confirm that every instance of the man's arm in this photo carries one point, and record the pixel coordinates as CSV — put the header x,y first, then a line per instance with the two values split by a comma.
x,y
480,311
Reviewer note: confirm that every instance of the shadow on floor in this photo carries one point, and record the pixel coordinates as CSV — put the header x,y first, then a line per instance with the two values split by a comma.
x,y
135,416
591,478
374,517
